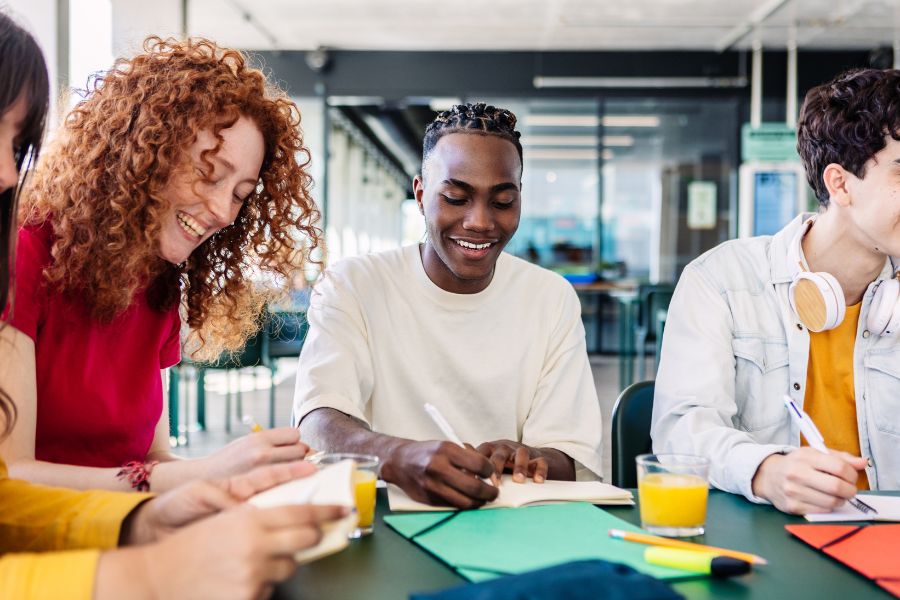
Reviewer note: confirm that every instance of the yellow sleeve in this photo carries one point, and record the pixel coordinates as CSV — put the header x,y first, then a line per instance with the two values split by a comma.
x,y
49,576
36,517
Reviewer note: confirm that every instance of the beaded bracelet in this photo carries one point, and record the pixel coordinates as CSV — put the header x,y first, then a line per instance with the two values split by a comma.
x,y
137,473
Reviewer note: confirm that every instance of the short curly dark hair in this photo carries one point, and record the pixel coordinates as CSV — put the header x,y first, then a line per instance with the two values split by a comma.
x,y
846,121
478,118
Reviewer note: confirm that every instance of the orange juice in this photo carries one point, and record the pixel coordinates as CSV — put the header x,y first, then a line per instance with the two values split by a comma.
x,y
364,486
672,500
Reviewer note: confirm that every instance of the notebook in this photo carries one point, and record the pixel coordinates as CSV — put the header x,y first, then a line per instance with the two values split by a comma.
x,y
888,508
484,544
513,495
870,550
330,485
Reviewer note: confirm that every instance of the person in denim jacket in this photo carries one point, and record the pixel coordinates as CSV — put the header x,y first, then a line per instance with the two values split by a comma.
x,y
811,312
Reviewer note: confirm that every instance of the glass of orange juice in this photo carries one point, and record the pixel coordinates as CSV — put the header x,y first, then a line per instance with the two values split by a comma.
x,y
672,489
365,477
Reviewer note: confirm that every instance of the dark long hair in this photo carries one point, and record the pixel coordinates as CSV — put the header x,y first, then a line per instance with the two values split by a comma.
x,y
22,72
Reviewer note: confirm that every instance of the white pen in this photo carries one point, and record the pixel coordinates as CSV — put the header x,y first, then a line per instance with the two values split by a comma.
x,y
446,429
816,441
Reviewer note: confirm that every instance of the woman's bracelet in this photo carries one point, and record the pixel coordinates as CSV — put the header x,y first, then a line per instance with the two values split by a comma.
x,y
137,474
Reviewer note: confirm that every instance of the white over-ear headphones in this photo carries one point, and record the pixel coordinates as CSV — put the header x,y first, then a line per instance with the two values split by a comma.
x,y
818,300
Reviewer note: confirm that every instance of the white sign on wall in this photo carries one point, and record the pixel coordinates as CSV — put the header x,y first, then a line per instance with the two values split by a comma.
x,y
701,213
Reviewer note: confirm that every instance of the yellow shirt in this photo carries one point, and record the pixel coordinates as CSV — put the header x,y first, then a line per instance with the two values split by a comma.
x,y
35,518
830,398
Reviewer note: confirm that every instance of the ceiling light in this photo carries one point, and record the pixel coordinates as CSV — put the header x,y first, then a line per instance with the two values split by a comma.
x,y
640,82
562,154
618,140
562,120
631,121
442,104
355,101
559,140
592,120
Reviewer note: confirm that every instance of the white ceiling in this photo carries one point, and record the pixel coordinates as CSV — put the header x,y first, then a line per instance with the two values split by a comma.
x,y
543,24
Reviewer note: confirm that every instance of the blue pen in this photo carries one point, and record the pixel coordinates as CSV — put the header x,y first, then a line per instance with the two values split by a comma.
x,y
815,440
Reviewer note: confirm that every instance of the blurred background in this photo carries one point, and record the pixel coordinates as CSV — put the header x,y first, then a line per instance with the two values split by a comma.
x,y
653,130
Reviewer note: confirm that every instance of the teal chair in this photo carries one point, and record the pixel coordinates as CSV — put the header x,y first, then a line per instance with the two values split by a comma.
x,y
631,417
285,333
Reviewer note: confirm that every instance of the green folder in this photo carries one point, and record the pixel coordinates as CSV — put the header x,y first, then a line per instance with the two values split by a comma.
x,y
483,544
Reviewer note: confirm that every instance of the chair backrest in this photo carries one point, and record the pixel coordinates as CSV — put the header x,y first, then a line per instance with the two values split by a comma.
x,y
631,417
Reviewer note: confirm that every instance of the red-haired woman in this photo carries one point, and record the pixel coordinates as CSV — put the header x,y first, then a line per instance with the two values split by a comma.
x,y
184,549
168,184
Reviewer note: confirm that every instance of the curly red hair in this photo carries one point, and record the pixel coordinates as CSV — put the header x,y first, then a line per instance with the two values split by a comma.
x,y
99,185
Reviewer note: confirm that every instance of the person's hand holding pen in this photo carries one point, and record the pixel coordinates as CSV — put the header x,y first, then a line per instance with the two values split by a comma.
x,y
807,480
441,472
262,447
811,479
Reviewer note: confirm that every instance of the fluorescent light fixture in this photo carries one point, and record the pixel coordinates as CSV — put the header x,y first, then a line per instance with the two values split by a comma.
x,y
640,82
631,121
592,121
562,120
618,140
559,140
442,104
608,154
562,154
355,101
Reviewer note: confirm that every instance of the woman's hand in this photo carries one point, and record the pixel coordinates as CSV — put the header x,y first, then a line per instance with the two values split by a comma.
x,y
279,445
191,502
241,553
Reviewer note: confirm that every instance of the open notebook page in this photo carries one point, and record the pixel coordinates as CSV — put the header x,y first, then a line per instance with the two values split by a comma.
x,y
888,508
514,494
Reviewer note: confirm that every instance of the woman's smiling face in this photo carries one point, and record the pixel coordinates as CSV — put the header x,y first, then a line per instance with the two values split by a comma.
x,y
201,201
470,194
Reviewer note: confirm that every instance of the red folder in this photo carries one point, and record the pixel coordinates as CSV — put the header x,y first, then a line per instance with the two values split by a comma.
x,y
870,550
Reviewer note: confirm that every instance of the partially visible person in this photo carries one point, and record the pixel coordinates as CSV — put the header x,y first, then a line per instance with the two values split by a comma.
x,y
494,342
168,185
198,541
811,312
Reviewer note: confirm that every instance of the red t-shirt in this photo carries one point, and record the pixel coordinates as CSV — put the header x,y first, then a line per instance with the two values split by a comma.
x,y
99,389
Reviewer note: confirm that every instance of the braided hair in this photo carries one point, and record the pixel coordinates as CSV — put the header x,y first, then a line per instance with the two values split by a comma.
x,y
478,118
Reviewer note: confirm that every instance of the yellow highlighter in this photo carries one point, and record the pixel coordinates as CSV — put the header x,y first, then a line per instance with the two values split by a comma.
x,y
705,563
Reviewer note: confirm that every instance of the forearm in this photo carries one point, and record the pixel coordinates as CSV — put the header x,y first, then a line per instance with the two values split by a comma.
x,y
164,476
67,476
330,430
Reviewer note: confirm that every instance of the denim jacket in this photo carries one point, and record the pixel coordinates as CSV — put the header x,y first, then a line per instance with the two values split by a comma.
x,y
733,347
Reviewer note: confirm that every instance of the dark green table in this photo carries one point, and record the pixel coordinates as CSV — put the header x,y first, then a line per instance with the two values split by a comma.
x,y
385,565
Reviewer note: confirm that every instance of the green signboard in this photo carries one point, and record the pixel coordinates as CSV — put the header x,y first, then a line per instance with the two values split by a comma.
x,y
768,142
